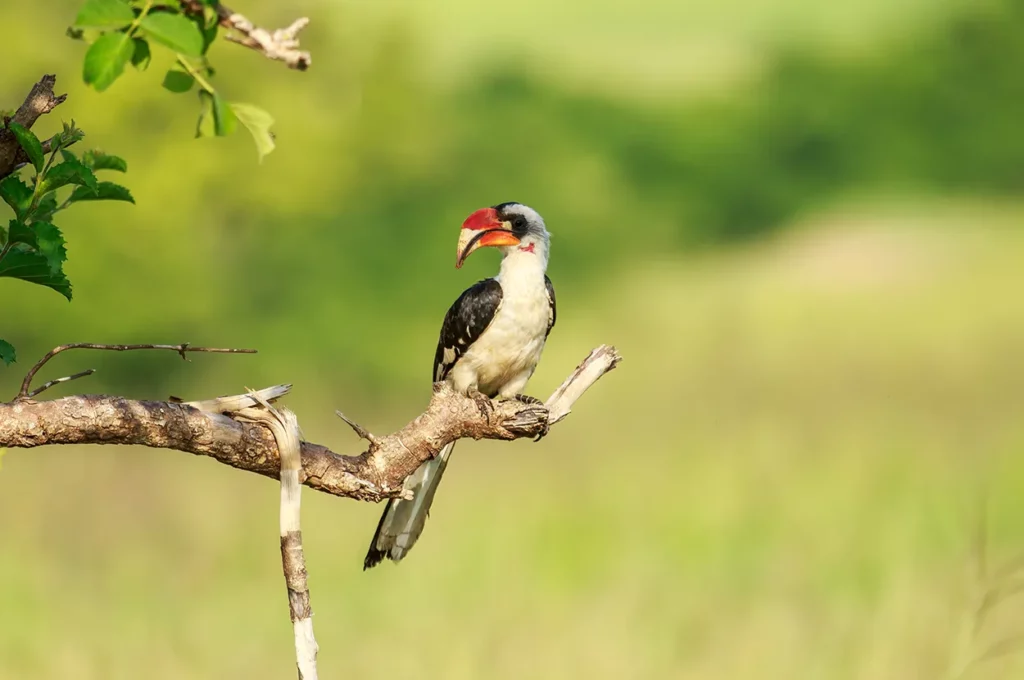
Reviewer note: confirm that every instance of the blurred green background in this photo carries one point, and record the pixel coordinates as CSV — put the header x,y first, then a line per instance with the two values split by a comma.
x,y
799,221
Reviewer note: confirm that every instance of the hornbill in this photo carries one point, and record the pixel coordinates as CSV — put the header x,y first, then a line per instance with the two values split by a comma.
x,y
489,346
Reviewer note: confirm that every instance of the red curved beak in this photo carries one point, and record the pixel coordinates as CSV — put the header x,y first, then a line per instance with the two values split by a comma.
x,y
481,229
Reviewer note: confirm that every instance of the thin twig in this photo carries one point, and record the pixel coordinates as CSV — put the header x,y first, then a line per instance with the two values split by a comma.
x,y
360,431
58,381
279,45
26,384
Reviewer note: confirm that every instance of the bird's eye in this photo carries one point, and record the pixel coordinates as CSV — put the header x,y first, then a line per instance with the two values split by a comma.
x,y
519,222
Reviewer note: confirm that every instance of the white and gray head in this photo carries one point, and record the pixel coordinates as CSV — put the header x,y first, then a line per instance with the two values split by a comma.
x,y
512,227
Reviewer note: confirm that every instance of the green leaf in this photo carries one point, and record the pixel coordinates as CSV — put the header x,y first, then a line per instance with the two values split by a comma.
x,y
97,160
29,142
178,80
105,60
205,124
68,172
105,14
19,232
140,54
7,354
16,194
71,134
175,31
46,206
258,122
105,191
207,23
26,265
224,121
67,155
50,244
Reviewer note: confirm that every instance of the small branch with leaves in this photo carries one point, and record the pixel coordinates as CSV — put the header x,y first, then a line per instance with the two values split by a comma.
x,y
122,32
32,246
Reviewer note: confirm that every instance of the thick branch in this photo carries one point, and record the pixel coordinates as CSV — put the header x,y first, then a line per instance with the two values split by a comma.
x,y
375,474
40,100
279,45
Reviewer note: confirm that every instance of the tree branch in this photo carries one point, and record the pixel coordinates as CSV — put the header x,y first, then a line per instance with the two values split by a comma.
x,y
279,45
26,384
40,100
285,428
198,427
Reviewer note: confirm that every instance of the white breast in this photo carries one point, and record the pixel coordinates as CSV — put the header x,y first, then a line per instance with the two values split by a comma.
x,y
503,358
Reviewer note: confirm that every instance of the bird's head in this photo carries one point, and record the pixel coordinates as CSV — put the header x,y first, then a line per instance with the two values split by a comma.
x,y
509,226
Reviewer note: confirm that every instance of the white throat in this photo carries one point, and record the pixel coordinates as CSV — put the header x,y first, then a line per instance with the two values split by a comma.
x,y
524,265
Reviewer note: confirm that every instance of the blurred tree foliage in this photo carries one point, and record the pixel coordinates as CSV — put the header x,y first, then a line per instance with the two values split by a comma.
x,y
380,165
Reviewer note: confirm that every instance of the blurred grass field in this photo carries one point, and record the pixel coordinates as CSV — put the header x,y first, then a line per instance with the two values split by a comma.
x,y
811,263
783,479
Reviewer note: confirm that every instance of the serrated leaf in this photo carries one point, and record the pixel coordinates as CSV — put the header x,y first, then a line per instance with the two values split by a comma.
x,y
7,355
105,60
71,134
68,172
45,207
258,122
29,142
174,31
105,14
16,194
178,80
19,232
50,244
67,155
26,265
141,55
97,160
105,191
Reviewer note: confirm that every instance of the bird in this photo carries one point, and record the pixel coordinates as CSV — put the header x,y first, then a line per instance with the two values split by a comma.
x,y
490,343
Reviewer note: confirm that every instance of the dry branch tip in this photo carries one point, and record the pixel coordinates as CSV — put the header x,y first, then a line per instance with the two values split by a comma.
x,y
360,431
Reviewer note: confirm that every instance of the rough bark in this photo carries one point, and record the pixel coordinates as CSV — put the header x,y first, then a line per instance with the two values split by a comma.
x,y
375,474
40,100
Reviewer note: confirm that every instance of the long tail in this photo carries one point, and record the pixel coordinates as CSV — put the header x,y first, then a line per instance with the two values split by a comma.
x,y
403,521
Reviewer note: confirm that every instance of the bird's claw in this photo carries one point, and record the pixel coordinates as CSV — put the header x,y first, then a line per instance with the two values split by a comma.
x,y
483,403
534,401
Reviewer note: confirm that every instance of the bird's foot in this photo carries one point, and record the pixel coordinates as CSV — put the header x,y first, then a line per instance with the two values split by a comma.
x,y
483,403
534,401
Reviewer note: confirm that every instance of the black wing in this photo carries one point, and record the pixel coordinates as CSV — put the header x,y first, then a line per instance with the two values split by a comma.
x,y
465,321
553,315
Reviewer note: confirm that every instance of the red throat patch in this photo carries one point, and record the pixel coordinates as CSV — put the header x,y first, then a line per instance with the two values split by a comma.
x,y
528,248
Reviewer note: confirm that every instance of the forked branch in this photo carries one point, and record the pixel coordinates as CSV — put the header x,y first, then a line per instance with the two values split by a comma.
x,y
280,45
205,428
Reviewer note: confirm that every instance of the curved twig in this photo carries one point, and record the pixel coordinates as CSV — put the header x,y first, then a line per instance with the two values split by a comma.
x,y
26,384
